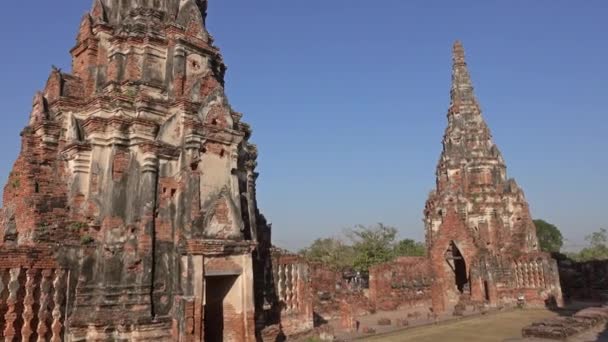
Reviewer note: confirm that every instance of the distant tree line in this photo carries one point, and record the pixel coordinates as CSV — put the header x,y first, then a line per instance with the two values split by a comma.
x,y
361,247
550,239
597,248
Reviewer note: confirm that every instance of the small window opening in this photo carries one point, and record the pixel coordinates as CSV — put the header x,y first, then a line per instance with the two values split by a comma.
x,y
173,191
222,152
36,187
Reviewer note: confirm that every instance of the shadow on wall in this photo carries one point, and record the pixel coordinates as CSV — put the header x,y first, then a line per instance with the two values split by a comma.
x,y
319,320
583,281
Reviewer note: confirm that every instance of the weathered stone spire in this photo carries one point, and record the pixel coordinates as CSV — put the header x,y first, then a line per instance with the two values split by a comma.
x,y
462,87
467,137
472,176
479,230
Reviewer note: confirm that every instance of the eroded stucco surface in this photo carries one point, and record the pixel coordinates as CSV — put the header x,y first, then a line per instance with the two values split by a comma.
x,y
135,188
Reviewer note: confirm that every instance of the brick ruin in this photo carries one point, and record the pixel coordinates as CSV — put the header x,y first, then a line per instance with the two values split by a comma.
x,y
481,242
291,274
333,294
479,232
562,328
402,283
584,280
130,213
585,285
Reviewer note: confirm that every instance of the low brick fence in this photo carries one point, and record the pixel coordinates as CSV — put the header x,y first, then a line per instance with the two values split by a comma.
x,y
33,296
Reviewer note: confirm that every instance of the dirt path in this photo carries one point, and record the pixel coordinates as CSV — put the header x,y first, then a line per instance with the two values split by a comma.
x,y
492,327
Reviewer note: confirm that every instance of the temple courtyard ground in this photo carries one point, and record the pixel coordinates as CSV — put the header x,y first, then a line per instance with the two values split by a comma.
x,y
501,326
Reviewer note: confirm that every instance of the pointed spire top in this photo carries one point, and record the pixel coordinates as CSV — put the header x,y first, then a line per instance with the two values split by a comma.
x,y
458,53
462,87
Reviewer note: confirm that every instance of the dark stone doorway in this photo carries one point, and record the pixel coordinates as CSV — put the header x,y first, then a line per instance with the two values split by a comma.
x,y
216,289
456,260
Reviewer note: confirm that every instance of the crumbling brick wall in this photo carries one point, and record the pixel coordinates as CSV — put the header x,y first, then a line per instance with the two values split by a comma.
x,y
334,296
405,281
325,279
293,290
583,280
532,277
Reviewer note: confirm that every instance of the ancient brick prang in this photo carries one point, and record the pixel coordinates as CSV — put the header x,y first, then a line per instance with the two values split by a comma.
x,y
478,223
472,178
138,175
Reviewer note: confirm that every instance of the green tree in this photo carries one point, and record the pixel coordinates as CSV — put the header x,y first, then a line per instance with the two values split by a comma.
x,y
409,247
372,245
367,246
598,247
550,239
330,251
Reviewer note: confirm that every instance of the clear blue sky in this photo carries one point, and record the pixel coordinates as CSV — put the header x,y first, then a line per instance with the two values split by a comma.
x,y
347,99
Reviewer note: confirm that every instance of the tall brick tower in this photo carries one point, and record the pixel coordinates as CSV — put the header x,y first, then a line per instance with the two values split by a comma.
x,y
475,213
131,208
472,177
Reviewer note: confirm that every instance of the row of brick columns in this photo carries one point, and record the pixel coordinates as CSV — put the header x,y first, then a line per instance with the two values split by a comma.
x,y
27,287
529,274
288,278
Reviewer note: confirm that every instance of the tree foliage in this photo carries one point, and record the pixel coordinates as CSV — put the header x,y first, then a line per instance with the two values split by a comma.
x,y
598,247
329,251
372,245
409,247
550,239
367,246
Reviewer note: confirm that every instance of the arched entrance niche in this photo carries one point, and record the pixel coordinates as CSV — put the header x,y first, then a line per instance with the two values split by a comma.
x,y
453,256
456,261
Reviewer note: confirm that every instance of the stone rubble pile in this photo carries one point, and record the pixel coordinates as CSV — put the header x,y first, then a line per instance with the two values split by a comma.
x,y
560,328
